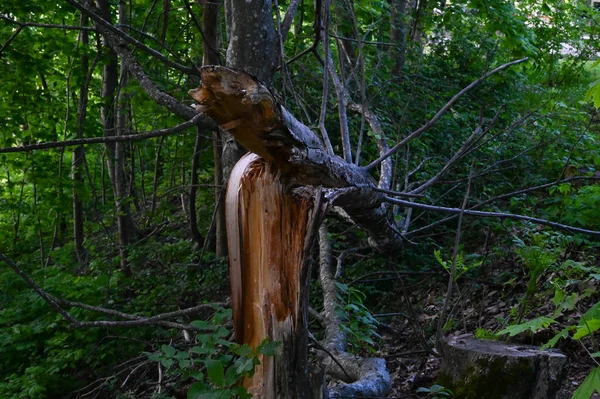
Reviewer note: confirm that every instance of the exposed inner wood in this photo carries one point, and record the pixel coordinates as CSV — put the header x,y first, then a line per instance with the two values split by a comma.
x,y
266,231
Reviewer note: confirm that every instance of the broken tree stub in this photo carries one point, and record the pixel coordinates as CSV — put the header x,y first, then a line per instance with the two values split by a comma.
x,y
475,369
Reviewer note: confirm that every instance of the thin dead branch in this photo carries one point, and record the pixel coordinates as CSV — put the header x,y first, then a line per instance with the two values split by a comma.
x,y
134,320
105,27
499,215
199,118
441,112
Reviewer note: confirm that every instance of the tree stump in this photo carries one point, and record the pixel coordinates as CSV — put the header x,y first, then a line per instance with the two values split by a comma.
x,y
474,369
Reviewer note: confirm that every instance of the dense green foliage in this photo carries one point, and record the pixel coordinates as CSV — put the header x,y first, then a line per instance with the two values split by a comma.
x,y
540,124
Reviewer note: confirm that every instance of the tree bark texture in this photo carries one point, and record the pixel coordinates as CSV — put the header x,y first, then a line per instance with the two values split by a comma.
x,y
78,152
247,109
210,22
122,196
109,86
253,48
398,34
269,231
193,190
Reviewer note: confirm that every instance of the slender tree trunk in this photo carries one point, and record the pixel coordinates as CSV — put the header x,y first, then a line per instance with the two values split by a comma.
x,y
78,152
398,34
419,21
122,198
193,190
210,24
157,173
165,21
109,86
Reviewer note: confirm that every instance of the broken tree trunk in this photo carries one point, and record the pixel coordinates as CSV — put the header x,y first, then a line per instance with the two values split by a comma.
x,y
474,368
269,231
248,110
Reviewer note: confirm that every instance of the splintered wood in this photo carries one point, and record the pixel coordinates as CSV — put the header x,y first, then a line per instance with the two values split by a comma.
x,y
241,105
266,231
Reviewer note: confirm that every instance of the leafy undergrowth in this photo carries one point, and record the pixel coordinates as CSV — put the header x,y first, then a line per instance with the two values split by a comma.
x,y
540,289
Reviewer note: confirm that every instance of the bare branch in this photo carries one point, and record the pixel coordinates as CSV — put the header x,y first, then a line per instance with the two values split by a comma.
x,y
452,276
398,193
159,96
108,139
317,31
50,26
325,96
498,215
340,92
441,112
55,303
10,39
106,27
385,176
476,136
49,299
501,197
289,17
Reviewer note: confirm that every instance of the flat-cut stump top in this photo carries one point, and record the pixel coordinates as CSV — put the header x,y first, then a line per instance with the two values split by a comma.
x,y
475,369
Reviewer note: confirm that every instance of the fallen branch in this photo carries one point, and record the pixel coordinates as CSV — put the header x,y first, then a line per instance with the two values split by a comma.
x,y
498,215
363,377
55,303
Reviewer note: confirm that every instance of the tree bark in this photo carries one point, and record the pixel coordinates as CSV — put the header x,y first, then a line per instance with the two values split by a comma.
x,y
125,223
109,86
78,152
398,34
252,48
116,174
193,219
210,22
245,108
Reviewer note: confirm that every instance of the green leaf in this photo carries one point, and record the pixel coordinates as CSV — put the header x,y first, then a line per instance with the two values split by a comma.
x,y
591,384
196,374
534,325
216,394
200,350
245,365
167,363
268,348
587,327
196,389
563,334
168,350
231,377
589,322
593,93
215,372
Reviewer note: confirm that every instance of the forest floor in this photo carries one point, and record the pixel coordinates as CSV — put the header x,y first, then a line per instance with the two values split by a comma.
x,y
482,304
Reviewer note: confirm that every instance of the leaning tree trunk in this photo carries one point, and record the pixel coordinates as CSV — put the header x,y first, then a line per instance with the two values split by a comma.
x,y
270,231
